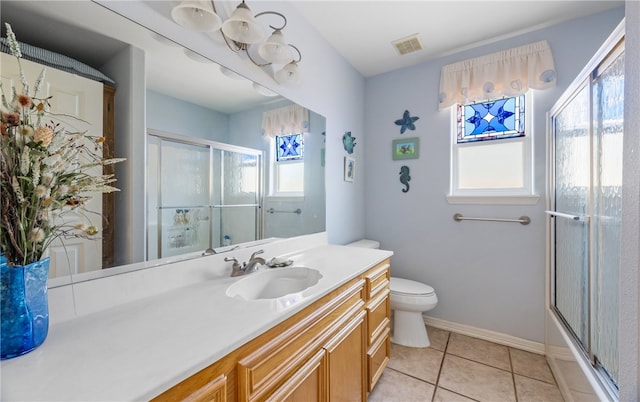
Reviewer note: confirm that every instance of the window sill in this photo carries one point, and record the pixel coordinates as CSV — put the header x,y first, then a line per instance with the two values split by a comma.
x,y
493,199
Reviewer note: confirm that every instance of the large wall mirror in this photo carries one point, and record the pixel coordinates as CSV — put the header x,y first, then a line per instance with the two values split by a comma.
x,y
200,173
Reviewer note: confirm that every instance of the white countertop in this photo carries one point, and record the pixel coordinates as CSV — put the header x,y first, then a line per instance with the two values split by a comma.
x,y
137,350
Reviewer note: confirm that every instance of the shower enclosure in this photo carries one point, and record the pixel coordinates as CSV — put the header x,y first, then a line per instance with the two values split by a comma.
x,y
585,209
201,194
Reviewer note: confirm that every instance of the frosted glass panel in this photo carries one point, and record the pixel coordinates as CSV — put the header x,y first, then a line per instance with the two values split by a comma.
x,y
572,185
184,169
492,165
572,156
608,95
237,204
240,176
184,230
571,275
239,223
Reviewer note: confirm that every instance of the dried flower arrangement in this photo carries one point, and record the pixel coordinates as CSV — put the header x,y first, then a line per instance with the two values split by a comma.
x,y
46,172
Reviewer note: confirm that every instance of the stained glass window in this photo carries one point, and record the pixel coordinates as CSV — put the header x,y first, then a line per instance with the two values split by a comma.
x,y
491,120
289,147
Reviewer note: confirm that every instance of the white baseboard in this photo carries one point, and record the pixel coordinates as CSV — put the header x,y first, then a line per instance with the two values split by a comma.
x,y
487,335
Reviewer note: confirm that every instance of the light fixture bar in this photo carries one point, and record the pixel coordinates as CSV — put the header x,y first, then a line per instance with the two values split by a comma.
x,y
240,31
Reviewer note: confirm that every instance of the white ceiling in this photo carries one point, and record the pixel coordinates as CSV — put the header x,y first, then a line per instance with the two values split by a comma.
x,y
362,31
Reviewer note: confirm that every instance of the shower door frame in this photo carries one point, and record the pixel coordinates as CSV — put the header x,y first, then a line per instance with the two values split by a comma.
x,y
212,146
606,55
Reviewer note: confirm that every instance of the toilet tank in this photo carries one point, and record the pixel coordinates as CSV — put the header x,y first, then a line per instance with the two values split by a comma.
x,y
365,243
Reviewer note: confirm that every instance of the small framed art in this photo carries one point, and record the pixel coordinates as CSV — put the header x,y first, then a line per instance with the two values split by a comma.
x,y
349,168
406,148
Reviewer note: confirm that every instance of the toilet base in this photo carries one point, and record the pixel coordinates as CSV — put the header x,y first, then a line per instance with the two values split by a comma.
x,y
409,329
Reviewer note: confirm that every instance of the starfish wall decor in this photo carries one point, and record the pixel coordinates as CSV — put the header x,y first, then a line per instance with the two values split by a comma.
x,y
406,122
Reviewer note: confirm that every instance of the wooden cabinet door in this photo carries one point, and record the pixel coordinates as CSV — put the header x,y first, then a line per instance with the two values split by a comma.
x,y
307,384
213,391
346,362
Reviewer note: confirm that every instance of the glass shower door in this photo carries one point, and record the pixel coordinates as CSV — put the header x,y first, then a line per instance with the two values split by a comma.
x,y
182,221
237,198
570,227
586,200
608,96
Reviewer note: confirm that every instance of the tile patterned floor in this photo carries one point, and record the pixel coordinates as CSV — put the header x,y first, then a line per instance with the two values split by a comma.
x,y
458,368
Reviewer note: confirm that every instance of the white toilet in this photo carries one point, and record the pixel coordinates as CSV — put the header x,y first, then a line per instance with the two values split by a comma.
x,y
409,299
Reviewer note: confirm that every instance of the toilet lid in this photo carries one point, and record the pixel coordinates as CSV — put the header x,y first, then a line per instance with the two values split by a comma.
x,y
406,286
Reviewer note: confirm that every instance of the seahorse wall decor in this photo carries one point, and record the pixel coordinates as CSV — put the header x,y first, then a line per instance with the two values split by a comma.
x,y
404,178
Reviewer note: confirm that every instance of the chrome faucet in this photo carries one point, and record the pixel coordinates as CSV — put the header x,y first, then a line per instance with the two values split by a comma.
x,y
211,251
247,267
208,251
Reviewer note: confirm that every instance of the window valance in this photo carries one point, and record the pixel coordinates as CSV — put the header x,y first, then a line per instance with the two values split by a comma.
x,y
507,73
291,119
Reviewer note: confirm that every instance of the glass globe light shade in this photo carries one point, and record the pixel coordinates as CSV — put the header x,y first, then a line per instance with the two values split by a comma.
x,y
275,49
196,15
242,26
288,75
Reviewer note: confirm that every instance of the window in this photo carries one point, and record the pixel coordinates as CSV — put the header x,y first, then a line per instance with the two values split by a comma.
x,y
288,165
491,152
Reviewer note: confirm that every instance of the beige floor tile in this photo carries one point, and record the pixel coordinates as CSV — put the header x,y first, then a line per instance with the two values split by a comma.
x,y
479,350
438,337
530,390
476,380
531,365
397,387
422,363
443,395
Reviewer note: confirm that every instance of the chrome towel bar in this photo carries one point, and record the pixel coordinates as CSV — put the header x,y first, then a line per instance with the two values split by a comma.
x,y
555,214
273,211
524,220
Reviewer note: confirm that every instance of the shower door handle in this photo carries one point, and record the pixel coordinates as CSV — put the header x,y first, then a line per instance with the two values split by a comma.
x,y
580,218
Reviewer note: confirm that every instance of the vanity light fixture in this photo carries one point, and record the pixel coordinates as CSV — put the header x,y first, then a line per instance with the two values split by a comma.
x,y
240,31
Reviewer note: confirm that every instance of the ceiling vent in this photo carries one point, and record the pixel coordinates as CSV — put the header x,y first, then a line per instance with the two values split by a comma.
x,y
408,45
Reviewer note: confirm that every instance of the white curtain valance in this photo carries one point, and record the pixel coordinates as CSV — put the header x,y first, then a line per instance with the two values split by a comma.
x,y
508,73
286,120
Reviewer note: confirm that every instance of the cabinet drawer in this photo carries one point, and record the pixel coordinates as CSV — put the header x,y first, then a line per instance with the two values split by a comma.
x,y
378,311
306,384
378,357
377,279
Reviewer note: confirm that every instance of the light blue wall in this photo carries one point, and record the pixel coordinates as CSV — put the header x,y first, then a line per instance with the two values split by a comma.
x,y
176,116
487,275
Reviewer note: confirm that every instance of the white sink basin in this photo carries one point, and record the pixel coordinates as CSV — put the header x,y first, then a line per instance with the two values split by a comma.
x,y
275,283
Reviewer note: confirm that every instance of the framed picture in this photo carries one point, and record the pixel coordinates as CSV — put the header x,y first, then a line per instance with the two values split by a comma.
x,y
349,168
406,148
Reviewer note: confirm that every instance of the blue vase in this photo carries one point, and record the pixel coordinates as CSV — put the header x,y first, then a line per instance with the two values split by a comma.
x,y
24,307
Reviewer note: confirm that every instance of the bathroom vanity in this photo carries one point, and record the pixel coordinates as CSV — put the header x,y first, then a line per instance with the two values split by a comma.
x,y
190,340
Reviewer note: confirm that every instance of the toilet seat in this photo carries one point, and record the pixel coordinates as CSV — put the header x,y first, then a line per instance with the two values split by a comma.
x,y
407,287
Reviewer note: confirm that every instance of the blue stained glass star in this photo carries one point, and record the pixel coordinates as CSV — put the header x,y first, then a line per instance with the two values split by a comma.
x,y
406,122
489,116
289,146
